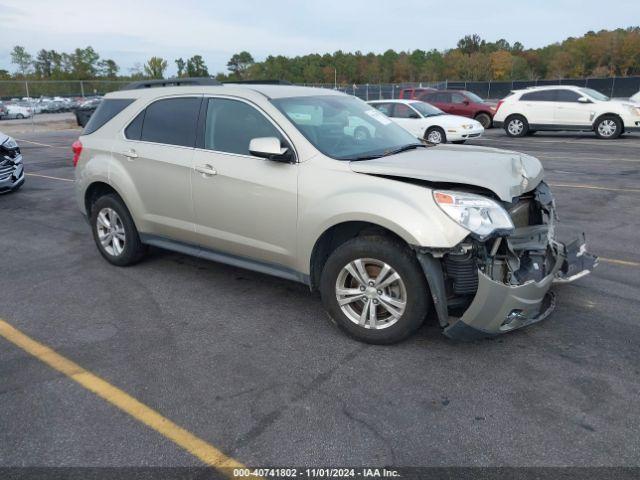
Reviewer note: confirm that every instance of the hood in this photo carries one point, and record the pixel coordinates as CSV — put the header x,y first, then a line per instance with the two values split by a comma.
x,y
452,121
508,174
3,138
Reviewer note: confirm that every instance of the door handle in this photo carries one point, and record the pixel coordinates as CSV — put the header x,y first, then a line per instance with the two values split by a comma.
x,y
206,170
130,154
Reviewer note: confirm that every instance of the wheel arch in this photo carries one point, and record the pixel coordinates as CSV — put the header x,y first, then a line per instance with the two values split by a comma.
x,y
608,114
337,235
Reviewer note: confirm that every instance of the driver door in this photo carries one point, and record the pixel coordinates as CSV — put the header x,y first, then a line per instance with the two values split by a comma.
x,y
408,118
244,206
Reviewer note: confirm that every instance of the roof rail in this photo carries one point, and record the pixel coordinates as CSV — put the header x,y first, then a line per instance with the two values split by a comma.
x,y
260,82
171,82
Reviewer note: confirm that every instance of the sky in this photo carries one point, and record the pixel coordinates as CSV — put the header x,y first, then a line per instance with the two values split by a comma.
x,y
131,31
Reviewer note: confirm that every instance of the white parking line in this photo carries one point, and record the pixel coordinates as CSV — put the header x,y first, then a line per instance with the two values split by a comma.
x,y
41,144
52,178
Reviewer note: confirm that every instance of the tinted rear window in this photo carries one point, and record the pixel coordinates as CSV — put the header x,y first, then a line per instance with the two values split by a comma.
x,y
539,96
172,121
134,129
107,109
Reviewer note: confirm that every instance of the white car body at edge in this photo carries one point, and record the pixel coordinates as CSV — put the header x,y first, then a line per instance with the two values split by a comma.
x,y
430,118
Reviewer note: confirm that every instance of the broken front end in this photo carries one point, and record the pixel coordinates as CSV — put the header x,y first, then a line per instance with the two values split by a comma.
x,y
485,287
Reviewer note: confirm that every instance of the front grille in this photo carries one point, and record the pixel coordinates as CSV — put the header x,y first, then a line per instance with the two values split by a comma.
x,y
9,152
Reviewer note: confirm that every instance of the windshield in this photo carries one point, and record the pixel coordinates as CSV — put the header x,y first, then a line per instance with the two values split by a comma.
x,y
594,94
345,128
474,98
426,110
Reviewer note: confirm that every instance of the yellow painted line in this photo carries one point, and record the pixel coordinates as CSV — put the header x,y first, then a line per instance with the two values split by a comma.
x,y
615,261
200,449
47,176
595,187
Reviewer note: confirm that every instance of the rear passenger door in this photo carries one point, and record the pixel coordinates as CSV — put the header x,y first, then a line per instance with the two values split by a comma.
x,y
155,154
245,206
538,107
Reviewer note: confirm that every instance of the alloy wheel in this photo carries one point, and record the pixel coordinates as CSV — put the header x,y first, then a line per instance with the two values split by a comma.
x,y
434,136
371,293
607,128
111,231
516,127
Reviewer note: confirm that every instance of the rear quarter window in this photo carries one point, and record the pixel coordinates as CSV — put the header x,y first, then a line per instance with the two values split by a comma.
x,y
108,108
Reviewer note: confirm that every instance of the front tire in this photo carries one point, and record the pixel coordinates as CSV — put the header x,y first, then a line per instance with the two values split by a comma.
x,y
374,290
484,119
516,126
19,116
608,127
435,135
114,231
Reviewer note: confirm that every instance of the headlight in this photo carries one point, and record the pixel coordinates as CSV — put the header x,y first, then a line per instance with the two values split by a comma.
x,y
634,110
10,143
467,126
476,213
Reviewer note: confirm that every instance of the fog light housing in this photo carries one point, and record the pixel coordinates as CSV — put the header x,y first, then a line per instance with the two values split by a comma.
x,y
515,315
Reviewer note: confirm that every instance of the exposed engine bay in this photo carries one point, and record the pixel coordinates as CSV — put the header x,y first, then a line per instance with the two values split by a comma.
x,y
506,275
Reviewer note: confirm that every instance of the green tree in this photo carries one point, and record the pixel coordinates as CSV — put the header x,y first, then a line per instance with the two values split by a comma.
x,y
196,67
180,63
155,67
108,68
84,63
23,59
240,63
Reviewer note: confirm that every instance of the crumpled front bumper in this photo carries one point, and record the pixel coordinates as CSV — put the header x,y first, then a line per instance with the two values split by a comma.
x,y
13,181
499,308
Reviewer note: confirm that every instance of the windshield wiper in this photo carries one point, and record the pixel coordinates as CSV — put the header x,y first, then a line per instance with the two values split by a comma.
x,y
404,148
411,146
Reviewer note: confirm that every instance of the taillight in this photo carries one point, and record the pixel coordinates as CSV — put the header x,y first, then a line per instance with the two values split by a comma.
x,y
77,150
500,102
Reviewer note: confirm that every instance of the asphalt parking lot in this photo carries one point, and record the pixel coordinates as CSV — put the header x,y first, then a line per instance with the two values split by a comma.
x,y
250,364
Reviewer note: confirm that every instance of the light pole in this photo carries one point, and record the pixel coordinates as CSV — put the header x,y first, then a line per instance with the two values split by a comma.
x,y
335,78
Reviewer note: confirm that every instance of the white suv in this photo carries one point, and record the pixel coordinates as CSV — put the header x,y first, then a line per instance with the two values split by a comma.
x,y
565,108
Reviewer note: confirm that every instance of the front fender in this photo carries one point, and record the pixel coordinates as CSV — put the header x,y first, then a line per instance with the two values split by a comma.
x,y
405,209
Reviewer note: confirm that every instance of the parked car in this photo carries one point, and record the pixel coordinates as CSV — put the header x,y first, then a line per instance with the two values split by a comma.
x,y
267,177
428,122
566,108
3,110
11,168
463,103
17,111
413,93
84,112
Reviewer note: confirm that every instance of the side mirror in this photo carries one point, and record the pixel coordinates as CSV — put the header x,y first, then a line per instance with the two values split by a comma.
x,y
270,148
466,102
584,100
414,115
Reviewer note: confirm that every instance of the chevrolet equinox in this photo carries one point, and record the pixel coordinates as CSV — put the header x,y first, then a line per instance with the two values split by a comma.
x,y
273,179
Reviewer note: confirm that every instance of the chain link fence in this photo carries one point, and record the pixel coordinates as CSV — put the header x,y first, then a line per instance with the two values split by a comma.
x,y
619,87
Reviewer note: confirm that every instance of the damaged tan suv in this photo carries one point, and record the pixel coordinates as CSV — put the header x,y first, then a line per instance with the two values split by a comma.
x,y
282,180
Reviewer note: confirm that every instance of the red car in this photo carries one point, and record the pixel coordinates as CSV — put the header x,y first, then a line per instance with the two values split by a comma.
x,y
414,93
461,102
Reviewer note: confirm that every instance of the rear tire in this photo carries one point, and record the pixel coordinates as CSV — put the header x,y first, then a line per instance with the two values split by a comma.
x,y
435,135
399,304
115,232
608,127
516,126
19,116
484,119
